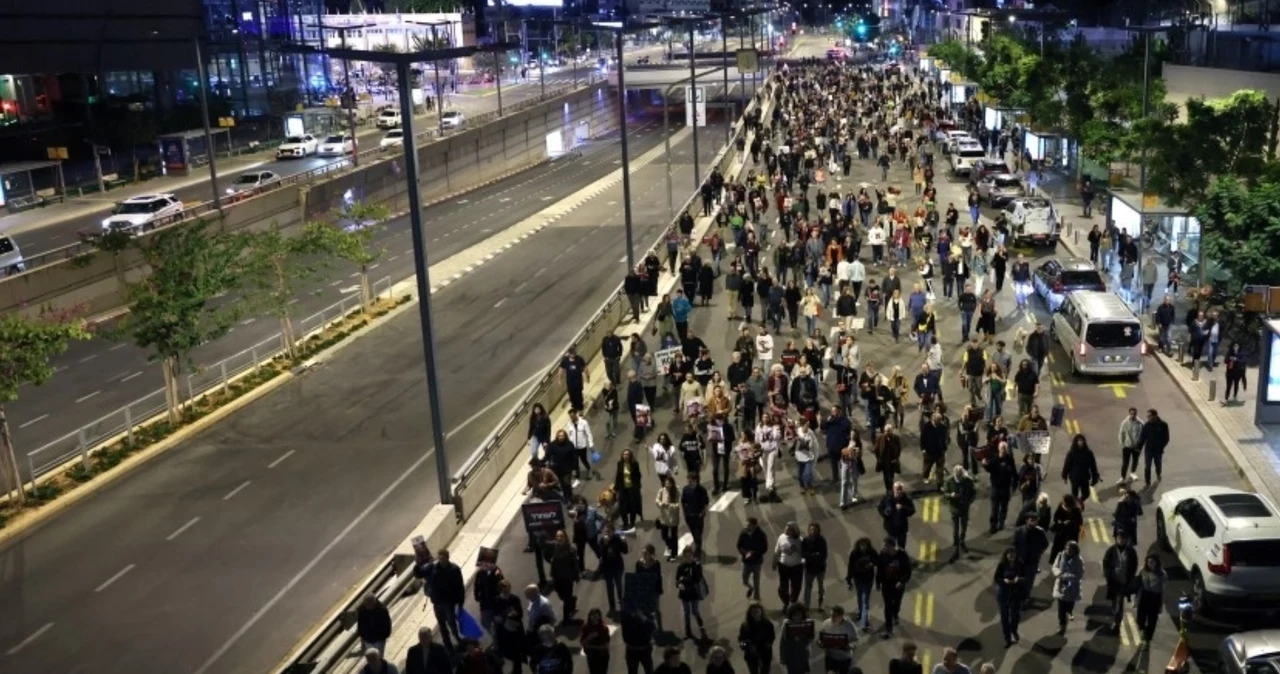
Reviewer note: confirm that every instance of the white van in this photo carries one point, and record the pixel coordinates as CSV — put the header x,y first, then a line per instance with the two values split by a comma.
x,y
11,261
1100,334
963,156
1033,221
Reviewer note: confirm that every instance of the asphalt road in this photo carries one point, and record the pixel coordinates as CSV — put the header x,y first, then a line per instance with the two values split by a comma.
x,y
64,232
220,554
947,604
97,377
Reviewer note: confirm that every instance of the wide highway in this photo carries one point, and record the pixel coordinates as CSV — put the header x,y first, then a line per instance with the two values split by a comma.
x,y
219,554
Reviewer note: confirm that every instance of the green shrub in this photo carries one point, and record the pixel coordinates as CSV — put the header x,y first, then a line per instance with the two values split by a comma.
x,y
79,474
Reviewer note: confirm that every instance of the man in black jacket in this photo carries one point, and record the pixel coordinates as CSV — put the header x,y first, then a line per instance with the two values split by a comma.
x,y
968,304
1004,476
1154,438
637,637
1120,567
1030,541
934,438
446,590
752,546
426,656
893,572
1037,347
611,349
487,588
373,624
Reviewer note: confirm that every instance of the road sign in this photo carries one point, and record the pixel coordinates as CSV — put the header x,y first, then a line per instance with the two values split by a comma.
x,y
226,122
57,152
695,109
749,60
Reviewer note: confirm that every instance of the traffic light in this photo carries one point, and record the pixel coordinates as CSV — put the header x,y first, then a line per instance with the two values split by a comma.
x,y
861,31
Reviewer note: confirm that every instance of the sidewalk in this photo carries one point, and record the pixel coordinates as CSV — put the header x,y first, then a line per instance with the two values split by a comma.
x,y
36,218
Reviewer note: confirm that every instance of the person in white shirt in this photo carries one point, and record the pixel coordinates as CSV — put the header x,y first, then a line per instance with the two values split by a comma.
x,y
837,636
540,611
806,448
580,435
790,564
764,348
875,239
843,269
769,436
857,274
1131,451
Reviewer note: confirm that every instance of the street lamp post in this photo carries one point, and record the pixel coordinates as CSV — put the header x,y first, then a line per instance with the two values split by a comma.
x,y
204,117
666,139
626,158
692,100
346,77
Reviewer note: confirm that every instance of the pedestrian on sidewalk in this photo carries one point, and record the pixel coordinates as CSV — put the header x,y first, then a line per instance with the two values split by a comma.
x,y
960,492
756,637
893,572
1130,440
1153,439
813,549
1068,573
1151,583
1120,569
1003,470
1010,582
1236,372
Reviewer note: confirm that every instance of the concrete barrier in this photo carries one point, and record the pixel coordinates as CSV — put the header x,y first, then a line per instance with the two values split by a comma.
x,y
95,283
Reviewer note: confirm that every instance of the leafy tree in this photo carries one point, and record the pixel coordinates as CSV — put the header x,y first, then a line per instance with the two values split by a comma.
x,y
1241,226
26,347
277,266
352,237
176,308
958,57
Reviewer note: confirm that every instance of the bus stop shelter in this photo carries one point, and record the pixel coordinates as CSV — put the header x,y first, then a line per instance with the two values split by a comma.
x,y
21,188
186,150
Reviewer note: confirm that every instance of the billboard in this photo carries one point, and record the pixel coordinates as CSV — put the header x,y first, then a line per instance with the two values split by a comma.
x,y
695,106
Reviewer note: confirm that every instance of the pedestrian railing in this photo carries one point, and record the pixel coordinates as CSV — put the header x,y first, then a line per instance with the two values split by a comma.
x,y
338,166
125,421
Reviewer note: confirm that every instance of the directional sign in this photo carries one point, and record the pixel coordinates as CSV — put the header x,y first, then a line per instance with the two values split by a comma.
x,y
695,108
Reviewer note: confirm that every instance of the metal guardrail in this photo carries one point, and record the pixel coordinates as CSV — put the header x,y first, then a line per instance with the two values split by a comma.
x,y
126,420
341,164
394,579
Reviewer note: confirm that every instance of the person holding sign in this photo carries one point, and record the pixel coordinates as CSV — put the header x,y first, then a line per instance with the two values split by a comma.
x,y
797,635
838,636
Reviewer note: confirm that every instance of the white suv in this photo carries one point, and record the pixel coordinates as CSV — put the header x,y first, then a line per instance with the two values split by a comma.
x,y
1228,541
143,212
388,119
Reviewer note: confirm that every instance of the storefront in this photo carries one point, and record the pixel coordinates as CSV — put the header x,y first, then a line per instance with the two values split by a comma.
x,y
1055,150
1162,229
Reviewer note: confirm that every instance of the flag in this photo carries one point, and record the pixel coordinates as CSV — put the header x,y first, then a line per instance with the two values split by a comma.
x,y
468,628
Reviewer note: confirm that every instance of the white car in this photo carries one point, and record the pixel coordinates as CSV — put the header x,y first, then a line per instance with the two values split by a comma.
x,y
297,147
452,119
337,146
388,119
963,155
948,139
11,261
1229,543
143,213
394,138
252,182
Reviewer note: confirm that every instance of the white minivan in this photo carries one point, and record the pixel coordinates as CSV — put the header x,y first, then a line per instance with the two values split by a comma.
x,y
1100,334
963,156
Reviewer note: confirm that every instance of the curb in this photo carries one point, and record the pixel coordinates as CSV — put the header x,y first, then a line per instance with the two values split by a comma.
x,y
28,522
1243,468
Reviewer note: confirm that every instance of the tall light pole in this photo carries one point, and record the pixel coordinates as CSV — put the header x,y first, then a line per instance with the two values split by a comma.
x,y
436,65
403,63
204,118
666,139
346,77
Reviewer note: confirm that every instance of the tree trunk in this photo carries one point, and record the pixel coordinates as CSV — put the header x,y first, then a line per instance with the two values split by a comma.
x,y
366,290
290,340
9,475
172,398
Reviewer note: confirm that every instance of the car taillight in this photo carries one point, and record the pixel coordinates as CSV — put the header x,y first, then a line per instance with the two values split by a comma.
x,y
1084,349
1223,569
1142,348
1057,286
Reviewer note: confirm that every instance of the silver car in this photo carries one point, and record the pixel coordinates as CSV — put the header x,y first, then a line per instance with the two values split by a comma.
x,y
1256,652
999,189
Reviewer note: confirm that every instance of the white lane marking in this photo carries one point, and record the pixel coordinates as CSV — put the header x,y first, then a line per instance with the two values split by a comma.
x,y
119,574
393,258
42,417
84,398
135,374
540,272
354,274
622,259
27,642
88,358
231,494
248,321
118,346
522,286
280,460
183,528
328,548
335,284
350,289
722,504
495,306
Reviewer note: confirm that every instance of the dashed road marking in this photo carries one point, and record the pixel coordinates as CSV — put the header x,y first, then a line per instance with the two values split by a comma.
x,y
27,642
38,419
278,461
118,347
88,358
231,494
135,374
500,303
84,398
119,574
190,523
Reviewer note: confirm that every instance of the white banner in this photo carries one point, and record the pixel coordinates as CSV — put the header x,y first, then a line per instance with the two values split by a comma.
x,y
697,112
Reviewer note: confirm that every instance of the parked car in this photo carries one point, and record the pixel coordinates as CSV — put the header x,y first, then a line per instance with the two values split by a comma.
x,y
388,119
394,138
296,147
1054,278
1255,652
987,167
1033,221
452,119
1229,543
252,182
963,154
143,213
999,189
337,146
11,261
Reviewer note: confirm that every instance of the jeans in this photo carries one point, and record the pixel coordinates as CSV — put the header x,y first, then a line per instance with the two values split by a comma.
x,y
959,529
824,294
999,509
863,593
613,369
1065,609
1129,457
638,659
1213,353
966,321
1153,457
690,608
1117,606
535,446
751,577
895,327
789,581
613,587
697,525
922,341
1163,341
1010,611
848,483
611,423
810,324
995,406
873,316
812,578
806,474
447,620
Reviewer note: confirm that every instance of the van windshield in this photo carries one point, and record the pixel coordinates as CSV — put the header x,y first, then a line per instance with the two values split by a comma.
x,y
1114,335
972,152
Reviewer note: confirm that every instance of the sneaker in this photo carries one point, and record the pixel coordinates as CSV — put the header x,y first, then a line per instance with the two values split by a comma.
x,y
1133,477
576,483
1121,481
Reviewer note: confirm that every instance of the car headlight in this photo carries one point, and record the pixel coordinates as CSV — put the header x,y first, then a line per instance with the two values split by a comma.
x,y
106,223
